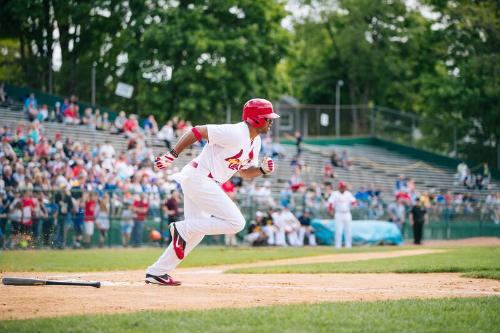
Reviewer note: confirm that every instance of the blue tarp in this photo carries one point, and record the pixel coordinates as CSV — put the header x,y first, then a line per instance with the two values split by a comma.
x,y
364,232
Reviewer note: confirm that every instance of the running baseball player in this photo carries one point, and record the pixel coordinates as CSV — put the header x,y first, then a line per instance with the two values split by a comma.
x,y
208,210
341,202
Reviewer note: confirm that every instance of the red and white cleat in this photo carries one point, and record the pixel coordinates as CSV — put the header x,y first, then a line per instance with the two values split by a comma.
x,y
163,280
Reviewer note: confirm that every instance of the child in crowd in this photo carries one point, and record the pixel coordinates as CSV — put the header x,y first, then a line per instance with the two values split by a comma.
x,y
102,219
126,224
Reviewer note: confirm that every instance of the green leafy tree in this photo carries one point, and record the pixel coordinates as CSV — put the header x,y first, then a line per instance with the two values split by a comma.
x,y
466,89
215,55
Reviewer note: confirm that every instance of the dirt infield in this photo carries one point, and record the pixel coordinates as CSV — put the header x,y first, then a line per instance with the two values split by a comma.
x,y
206,288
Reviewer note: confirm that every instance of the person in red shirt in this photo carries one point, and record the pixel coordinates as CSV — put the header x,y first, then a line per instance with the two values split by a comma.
x,y
140,209
130,125
89,217
28,208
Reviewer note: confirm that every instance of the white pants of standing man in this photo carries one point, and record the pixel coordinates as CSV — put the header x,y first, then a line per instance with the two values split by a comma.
x,y
208,210
343,225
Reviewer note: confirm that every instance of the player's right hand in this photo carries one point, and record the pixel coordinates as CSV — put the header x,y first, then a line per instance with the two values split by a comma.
x,y
163,161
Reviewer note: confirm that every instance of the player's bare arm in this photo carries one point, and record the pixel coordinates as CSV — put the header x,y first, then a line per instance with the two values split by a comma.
x,y
251,172
266,167
190,137
197,133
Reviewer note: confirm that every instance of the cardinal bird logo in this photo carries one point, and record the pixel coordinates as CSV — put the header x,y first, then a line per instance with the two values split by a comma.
x,y
234,161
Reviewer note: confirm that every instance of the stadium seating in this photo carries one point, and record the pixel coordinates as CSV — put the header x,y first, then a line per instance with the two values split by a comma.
x,y
372,165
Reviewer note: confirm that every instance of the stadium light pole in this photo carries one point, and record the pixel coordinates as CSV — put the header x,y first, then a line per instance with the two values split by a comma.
x,y
340,83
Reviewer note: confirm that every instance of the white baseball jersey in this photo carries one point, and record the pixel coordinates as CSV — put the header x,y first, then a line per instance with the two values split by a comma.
x,y
341,201
229,150
208,210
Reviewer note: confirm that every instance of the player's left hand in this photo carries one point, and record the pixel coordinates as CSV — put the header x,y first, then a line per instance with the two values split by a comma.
x,y
163,161
267,165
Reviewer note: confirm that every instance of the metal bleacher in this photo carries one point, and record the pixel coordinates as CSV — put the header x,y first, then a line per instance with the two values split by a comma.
x,y
372,164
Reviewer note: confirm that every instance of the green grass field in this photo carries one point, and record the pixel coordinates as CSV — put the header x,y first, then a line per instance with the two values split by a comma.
x,y
127,259
481,262
442,315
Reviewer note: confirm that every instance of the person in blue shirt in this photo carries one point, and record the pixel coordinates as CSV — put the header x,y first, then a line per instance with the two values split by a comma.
x,y
78,220
362,197
3,220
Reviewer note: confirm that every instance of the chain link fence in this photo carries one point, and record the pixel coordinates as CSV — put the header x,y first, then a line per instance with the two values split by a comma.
x,y
59,228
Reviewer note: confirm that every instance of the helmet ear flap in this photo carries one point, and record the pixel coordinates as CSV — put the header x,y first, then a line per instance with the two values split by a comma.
x,y
255,121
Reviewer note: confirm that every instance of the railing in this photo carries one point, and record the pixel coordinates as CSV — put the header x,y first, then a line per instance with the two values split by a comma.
x,y
446,221
365,120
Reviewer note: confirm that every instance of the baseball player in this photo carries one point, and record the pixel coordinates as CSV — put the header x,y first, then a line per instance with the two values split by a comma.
x,y
208,210
341,201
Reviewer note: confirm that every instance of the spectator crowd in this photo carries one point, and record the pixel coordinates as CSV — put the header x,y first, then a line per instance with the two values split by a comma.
x,y
51,185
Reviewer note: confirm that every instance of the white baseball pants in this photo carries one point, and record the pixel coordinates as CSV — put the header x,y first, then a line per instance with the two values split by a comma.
x,y
311,237
343,225
207,211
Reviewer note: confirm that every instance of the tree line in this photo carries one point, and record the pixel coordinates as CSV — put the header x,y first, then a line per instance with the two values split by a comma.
x,y
198,59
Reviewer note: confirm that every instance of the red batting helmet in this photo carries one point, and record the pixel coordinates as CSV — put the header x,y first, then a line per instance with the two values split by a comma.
x,y
342,185
256,110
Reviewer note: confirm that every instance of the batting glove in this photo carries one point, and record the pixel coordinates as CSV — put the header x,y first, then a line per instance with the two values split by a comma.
x,y
163,161
267,166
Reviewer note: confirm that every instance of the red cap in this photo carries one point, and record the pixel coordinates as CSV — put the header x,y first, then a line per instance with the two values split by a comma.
x,y
342,184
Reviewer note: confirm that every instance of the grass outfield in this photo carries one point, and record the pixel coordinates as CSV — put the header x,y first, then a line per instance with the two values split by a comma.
x,y
126,259
480,262
439,315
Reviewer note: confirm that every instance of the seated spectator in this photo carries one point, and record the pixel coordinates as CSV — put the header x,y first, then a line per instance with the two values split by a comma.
x,y
263,195
43,113
119,122
285,196
107,151
71,115
335,160
397,213
462,172
373,192
131,125
31,107
268,227
288,225
256,236
59,112
362,197
486,174
180,125
102,121
400,185
150,125
345,161
296,181
328,172
88,119
167,134
306,229
403,196
65,104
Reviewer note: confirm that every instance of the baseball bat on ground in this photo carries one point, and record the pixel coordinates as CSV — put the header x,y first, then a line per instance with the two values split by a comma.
x,y
37,282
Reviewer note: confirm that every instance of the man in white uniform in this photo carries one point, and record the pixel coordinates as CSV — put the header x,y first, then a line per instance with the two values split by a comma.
x,y
208,210
341,202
